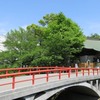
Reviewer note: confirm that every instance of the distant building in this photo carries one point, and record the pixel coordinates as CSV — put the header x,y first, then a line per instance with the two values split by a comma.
x,y
90,55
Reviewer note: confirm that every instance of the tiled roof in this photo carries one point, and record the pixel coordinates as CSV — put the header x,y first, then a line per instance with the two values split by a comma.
x,y
92,44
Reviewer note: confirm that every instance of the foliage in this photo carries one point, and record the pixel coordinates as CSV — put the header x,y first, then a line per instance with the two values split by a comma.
x,y
19,44
54,42
94,36
63,39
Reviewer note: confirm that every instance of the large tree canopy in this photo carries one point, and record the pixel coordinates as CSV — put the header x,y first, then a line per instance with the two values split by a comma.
x,y
53,42
62,39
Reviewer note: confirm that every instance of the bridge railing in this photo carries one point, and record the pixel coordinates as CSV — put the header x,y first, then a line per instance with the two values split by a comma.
x,y
26,69
47,74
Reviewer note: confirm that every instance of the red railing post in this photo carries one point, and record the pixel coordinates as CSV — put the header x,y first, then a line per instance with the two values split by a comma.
x,y
93,71
6,71
88,72
19,71
83,72
33,79
39,70
97,72
30,70
13,82
59,74
69,71
47,76
76,72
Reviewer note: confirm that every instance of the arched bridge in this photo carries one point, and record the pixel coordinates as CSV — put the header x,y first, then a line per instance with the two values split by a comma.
x,y
50,83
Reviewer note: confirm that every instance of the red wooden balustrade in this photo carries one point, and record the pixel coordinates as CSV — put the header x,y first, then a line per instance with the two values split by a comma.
x,y
14,70
46,71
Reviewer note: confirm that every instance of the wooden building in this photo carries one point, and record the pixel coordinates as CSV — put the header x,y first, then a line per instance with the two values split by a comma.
x,y
90,55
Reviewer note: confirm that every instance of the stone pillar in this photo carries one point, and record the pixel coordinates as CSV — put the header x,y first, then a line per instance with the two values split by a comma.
x,y
91,83
97,84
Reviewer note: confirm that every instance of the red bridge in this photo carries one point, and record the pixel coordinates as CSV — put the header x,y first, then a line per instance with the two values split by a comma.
x,y
27,83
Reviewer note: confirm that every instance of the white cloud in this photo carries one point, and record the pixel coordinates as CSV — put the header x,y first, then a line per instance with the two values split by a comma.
x,y
3,31
2,39
24,26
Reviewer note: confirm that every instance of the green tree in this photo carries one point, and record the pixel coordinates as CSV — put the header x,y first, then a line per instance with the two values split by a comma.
x,y
20,44
55,41
62,39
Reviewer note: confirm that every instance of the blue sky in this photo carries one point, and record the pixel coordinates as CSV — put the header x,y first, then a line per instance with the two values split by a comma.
x,y
20,13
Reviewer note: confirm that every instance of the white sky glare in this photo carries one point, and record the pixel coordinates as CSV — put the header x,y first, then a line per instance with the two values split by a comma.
x,y
2,39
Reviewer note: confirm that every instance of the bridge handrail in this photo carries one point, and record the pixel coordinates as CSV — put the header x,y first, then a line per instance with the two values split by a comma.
x,y
61,71
13,70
